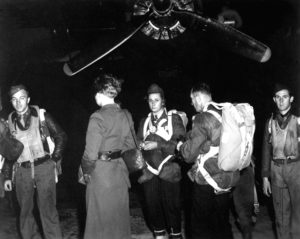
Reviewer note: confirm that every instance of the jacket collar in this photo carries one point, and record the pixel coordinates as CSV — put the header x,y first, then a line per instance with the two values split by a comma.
x,y
163,115
283,119
30,112
116,106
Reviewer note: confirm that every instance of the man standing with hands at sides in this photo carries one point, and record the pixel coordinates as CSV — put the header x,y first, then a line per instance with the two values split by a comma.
x,y
210,211
35,166
281,165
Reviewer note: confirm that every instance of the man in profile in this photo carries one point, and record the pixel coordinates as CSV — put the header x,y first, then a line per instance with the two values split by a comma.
x,y
210,211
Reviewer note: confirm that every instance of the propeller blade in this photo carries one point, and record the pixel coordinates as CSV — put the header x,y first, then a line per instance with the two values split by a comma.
x,y
99,50
225,36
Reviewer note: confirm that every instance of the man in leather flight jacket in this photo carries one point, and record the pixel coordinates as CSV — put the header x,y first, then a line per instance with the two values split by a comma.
x,y
36,165
209,211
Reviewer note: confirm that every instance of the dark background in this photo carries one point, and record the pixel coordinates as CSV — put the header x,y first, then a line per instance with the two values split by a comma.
x,y
34,40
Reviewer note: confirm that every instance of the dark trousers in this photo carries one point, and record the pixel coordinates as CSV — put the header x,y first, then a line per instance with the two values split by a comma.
x,y
285,179
210,214
243,199
163,205
44,179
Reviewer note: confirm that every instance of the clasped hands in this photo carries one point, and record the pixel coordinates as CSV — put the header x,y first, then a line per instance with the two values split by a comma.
x,y
148,145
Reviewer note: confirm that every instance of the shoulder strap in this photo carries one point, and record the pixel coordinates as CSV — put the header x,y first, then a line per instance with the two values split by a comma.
x,y
43,125
45,130
11,125
270,124
42,114
218,106
181,114
1,162
217,115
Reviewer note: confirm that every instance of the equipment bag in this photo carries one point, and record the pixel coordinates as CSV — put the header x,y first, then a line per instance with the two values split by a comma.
x,y
10,147
236,142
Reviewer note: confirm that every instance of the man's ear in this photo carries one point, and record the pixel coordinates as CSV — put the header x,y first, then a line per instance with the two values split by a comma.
x,y
292,99
274,99
28,100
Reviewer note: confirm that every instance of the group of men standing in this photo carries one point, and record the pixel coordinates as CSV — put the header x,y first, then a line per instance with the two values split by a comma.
x,y
35,168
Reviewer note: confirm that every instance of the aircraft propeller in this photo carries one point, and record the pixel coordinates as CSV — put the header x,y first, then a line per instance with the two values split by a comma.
x,y
165,20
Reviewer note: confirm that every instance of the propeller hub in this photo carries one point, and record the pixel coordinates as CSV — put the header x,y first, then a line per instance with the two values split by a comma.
x,y
162,25
162,6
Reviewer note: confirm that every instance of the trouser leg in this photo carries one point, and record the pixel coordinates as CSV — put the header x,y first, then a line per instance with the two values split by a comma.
x,y
243,198
295,217
210,212
172,207
202,210
46,199
281,203
25,197
293,177
222,208
152,192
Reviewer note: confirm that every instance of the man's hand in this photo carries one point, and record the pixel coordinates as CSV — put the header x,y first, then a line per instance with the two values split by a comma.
x,y
267,187
179,145
87,178
7,185
149,145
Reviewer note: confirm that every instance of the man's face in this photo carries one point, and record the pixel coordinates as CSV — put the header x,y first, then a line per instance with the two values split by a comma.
x,y
155,102
20,101
199,100
283,100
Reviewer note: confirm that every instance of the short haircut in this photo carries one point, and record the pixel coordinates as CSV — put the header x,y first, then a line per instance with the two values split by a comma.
x,y
201,87
108,84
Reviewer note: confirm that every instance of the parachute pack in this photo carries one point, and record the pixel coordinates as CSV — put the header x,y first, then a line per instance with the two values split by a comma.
x,y
236,140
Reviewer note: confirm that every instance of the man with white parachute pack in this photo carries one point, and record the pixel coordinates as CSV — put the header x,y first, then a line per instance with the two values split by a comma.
x,y
205,148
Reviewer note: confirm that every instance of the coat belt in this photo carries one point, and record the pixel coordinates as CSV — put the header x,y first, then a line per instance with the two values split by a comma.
x,y
287,160
109,155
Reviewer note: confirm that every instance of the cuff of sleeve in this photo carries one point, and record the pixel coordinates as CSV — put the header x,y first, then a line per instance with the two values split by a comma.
x,y
55,158
88,168
265,174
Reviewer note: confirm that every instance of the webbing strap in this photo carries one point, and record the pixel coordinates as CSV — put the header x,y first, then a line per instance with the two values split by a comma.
x,y
157,171
214,113
50,143
200,161
1,162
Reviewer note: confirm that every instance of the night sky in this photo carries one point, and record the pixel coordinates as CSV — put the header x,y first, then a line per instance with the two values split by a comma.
x,y
28,49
